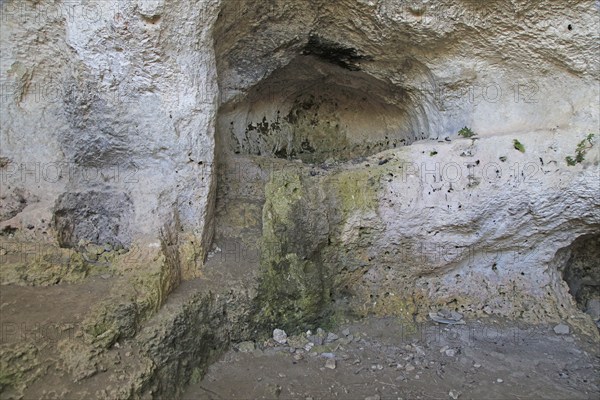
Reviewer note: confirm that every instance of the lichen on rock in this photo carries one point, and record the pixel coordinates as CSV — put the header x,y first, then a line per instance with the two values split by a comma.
x,y
294,284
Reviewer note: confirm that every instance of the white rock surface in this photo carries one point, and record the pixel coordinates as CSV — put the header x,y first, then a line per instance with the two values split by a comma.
x,y
280,336
113,110
562,329
330,363
115,100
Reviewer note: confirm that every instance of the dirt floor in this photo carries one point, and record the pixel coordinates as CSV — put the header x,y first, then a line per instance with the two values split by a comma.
x,y
47,313
35,321
385,359
368,359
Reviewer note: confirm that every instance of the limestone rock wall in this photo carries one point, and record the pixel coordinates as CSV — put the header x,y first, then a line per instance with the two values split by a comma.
x,y
107,116
427,226
467,224
113,114
372,75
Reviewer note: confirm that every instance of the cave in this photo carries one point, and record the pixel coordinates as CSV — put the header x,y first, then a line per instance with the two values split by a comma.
x,y
319,107
580,269
353,199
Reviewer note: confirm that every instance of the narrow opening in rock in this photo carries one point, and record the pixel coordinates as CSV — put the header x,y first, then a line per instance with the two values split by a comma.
x,y
581,271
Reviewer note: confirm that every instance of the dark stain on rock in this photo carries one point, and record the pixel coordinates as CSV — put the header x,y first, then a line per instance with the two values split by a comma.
x,y
7,230
94,216
335,53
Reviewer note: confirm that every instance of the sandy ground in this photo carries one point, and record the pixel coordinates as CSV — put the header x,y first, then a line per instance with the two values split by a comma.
x,y
47,314
374,358
385,359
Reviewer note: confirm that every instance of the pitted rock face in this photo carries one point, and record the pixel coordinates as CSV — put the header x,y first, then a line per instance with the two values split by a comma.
x,y
143,97
335,124
13,203
314,110
113,95
93,217
302,82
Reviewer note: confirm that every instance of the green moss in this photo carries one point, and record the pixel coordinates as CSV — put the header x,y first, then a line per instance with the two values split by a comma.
x,y
518,146
49,265
137,296
397,306
301,257
191,257
5,379
292,293
581,150
357,190
19,366
283,189
197,374
466,132
292,289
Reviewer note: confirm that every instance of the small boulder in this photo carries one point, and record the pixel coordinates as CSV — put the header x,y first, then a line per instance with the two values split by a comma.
x,y
245,347
562,329
280,336
297,342
330,363
317,340
450,352
95,249
331,337
593,308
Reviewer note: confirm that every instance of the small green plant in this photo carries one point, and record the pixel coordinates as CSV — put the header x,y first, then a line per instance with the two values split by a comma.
x,y
519,146
432,153
581,150
466,132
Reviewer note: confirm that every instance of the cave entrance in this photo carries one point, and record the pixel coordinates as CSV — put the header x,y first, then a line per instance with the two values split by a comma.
x,y
581,271
315,110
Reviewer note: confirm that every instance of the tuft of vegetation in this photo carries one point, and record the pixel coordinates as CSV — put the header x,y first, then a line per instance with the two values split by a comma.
x,y
581,150
433,153
519,146
466,132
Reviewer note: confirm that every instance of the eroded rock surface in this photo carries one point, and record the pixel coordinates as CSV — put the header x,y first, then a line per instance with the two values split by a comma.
x,y
113,98
297,162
